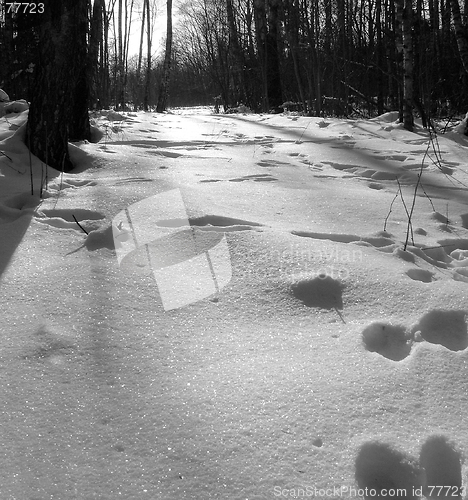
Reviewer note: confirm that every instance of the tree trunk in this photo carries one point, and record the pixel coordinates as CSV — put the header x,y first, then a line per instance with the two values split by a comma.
x,y
380,58
275,93
79,128
237,57
404,13
460,32
292,30
146,7
49,113
95,42
164,87
260,35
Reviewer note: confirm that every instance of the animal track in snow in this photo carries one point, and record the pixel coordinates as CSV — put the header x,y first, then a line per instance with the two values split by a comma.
x,y
65,218
442,463
128,180
321,291
438,473
211,222
271,163
391,341
418,274
450,253
438,326
379,466
359,172
445,327
166,154
56,184
376,241
255,177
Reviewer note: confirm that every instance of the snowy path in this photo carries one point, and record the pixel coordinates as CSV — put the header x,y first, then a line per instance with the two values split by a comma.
x,y
267,386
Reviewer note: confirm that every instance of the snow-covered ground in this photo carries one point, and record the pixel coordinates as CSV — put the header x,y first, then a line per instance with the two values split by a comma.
x,y
328,360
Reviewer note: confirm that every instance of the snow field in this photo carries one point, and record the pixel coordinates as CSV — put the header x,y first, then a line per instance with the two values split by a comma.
x,y
332,358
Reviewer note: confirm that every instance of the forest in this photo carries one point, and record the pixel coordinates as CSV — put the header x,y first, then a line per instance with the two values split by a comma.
x,y
317,57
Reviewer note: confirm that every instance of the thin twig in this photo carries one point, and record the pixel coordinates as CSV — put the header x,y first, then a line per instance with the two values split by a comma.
x,y
340,315
4,154
409,227
30,161
390,211
79,225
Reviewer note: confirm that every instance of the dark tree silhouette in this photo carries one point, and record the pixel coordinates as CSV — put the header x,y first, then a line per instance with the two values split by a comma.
x,y
55,104
164,86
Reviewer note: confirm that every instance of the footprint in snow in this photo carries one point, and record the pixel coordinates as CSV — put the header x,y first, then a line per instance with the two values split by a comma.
x,y
380,468
391,341
442,463
445,327
321,291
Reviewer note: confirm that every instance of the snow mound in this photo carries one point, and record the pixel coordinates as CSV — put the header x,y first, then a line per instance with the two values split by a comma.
x,y
389,117
113,116
100,238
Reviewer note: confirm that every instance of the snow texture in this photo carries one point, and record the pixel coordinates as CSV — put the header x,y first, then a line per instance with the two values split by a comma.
x,y
331,356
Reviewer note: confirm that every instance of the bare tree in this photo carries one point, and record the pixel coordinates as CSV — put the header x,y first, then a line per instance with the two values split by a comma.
x,y
146,9
405,15
460,32
164,86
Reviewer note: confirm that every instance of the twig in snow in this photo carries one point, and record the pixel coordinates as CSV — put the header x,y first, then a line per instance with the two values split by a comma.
x,y
410,225
79,225
390,211
4,154
340,315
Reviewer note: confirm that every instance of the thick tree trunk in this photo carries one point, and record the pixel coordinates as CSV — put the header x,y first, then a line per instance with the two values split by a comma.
x,y
164,87
460,32
49,113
